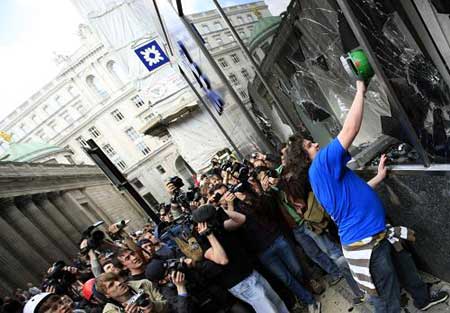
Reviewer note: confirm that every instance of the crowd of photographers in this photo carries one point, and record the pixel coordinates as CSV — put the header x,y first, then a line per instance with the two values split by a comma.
x,y
246,237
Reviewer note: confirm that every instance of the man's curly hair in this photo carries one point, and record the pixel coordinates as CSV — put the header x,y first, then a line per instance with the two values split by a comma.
x,y
295,172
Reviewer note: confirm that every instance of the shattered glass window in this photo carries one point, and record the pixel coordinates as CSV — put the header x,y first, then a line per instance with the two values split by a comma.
x,y
418,85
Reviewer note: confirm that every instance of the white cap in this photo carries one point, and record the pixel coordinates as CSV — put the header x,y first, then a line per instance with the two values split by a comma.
x,y
32,305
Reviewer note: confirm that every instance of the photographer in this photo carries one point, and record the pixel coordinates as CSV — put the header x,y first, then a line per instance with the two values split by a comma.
x,y
170,278
132,297
96,268
223,247
270,246
62,280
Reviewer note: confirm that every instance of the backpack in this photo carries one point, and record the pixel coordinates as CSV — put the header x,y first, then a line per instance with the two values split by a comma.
x,y
315,216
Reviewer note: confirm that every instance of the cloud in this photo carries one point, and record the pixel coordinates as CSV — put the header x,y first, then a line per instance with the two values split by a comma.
x,y
40,28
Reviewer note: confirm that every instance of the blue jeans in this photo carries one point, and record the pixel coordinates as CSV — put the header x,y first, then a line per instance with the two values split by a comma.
x,y
334,252
256,291
282,262
385,279
303,236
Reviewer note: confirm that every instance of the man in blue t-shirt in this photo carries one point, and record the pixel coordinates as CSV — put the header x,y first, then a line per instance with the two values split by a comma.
x,y
354,205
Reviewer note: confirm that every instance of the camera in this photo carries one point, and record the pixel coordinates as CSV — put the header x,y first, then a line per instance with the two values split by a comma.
x,y
94,237
241,187
176,181
140,299
59,278
175,265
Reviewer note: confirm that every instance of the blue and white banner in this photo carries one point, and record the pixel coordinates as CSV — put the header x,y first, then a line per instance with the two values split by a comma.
x,y
152,55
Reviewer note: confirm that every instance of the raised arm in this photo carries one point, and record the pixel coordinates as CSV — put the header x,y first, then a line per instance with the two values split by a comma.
x,y
215,253
354,117
382,172
235,220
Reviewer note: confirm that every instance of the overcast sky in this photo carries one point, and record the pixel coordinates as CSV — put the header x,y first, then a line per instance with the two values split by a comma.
x,y
31,30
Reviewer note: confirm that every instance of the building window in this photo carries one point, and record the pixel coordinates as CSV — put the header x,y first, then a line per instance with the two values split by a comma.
x,y
36,119
109,150
235,58
52,125
58,100
242,93
143,148
95,85
72,92
240,20
218,40
138,102
94,132
242,34
67,117
121,164
245,74
222,62
217,26
81,141
118,116
137,183
161,169
117,71
233,79
230,37
132,134
250,18
205,28
80,109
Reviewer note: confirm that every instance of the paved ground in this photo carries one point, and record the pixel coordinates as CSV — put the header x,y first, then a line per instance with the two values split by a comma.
x,y
337,299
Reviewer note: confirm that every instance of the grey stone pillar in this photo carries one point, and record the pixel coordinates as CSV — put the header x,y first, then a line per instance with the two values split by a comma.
x,y
96,209
58,218
12,269
14,217
5,287
26,253
46,226
76,217
85,217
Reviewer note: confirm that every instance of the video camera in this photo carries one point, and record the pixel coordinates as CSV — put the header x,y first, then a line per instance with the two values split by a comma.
x,y
59,278
94,237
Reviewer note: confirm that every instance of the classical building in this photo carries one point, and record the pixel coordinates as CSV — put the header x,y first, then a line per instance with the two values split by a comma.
x,y
92,97
45,207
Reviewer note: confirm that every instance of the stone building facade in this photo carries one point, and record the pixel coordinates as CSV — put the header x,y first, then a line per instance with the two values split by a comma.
x,y
44,208
93,98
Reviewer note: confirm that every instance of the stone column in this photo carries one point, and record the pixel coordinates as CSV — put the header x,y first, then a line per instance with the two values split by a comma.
x,y
96,210
27,254
58,218
28,230
15,274
50,229
85,217
5,287
76,217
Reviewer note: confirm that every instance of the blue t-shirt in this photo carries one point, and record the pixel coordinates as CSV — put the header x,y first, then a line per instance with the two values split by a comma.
x,y
349,200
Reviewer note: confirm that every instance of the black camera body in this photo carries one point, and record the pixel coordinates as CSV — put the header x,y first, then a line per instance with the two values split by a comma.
x,y
94,237
59,278
175,265
176,181
140,299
